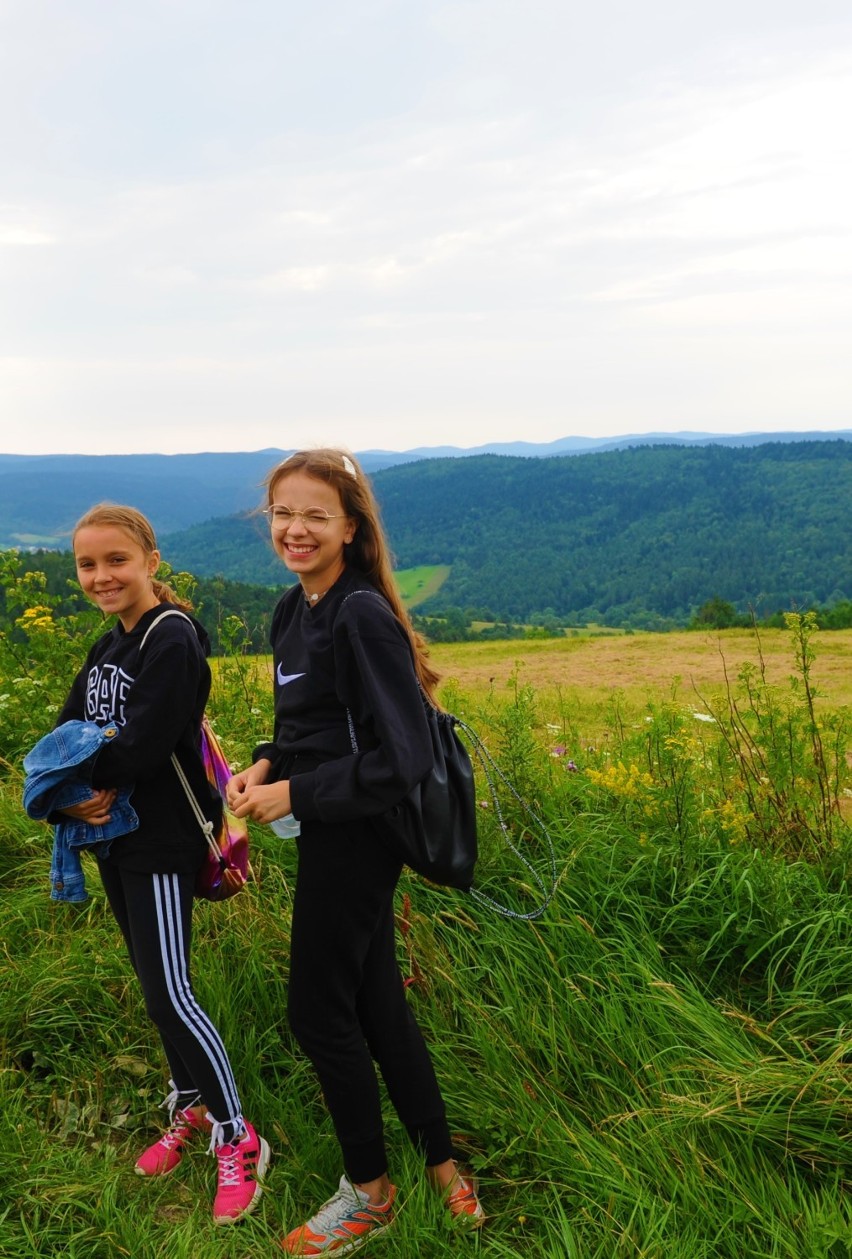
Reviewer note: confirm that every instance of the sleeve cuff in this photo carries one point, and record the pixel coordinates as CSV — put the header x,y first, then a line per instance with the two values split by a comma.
x,y
265,751
302,797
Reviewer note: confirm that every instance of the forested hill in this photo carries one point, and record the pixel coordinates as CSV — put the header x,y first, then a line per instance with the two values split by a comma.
x,y
618,536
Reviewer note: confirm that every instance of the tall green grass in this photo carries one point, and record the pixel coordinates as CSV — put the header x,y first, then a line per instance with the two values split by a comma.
x,y
632,1075
658,1067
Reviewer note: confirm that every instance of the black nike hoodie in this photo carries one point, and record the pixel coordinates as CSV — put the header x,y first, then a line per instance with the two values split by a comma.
x,y
349,652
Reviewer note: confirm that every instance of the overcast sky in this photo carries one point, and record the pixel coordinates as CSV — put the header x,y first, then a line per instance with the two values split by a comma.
x,y
233,224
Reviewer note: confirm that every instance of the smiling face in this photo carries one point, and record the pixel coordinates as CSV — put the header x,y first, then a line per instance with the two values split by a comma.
x,y
315,557
115,572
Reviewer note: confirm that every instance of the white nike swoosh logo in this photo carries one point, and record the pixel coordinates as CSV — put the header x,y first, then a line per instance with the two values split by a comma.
x,y
284,678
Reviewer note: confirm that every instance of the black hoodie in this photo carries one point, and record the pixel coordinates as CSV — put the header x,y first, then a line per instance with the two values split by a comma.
x,y
156,697
347,653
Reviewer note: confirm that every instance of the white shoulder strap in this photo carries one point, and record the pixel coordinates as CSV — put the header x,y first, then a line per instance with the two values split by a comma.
x,y
207,827
162,616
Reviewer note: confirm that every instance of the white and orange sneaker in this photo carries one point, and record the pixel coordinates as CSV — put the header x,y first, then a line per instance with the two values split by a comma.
x,y
463,1203
342,1224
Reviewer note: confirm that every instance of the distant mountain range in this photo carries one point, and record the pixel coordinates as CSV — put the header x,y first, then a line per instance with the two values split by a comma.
x,y
374,459
639,536
41,496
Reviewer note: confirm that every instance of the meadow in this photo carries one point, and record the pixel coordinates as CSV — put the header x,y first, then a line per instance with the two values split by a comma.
x,y
658,1066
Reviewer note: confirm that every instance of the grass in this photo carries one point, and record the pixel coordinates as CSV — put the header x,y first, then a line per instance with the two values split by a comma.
x,y
580,678
589,681
416,585
658,1068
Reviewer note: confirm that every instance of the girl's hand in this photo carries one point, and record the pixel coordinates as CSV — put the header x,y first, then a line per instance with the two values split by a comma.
x,y
251,777
264,803
95,810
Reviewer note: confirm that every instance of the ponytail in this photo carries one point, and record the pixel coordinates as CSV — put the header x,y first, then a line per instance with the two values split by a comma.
x,y
166,594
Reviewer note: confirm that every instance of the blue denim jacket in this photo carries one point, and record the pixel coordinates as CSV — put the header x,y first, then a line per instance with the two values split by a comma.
x,y
58,774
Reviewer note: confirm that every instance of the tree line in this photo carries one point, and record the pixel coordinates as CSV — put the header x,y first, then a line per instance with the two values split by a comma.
x,y
641,537
652,537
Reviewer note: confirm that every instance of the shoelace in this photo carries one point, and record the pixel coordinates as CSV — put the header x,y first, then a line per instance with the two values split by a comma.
x,y
174,1133
329,1212
229,1167
217,1136
170,1103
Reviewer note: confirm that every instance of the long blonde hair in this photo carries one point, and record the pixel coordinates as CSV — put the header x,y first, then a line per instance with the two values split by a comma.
x,y
368,552
140,530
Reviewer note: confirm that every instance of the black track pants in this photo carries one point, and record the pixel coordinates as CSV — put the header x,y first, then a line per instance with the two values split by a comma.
x,y
154,912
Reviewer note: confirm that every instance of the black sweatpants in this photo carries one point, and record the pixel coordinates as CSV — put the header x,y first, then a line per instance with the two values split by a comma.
x,y
154,912
347,1003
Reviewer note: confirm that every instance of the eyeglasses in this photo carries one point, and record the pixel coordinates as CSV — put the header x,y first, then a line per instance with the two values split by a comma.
x,y
314,519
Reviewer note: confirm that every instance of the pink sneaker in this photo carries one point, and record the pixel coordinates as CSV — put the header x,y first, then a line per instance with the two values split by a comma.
x,y
164,1155
241,1168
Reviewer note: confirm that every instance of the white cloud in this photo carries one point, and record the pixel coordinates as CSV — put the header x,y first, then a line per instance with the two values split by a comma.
x,y
24,236
456,221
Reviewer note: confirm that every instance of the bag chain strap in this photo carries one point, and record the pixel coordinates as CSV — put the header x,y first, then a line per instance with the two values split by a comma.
x,y
492,770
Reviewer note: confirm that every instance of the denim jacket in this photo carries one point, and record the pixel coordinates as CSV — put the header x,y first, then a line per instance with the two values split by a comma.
x,y
58,774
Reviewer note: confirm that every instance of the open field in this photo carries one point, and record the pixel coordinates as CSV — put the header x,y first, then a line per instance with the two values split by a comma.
x,y
579,679
584,673
658,1067
416,585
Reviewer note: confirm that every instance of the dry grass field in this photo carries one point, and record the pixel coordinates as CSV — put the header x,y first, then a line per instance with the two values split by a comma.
x,y
577,680
581,676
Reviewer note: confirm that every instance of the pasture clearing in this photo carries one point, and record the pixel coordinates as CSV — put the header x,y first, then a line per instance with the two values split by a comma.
x,y
583,675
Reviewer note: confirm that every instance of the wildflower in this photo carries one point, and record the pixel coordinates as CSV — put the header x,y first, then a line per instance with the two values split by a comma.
x,y
627,782
732,822
569,765
704,717
559,750
38,617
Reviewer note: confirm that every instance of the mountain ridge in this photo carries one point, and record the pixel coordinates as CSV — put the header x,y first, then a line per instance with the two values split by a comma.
x,y
41,496
640,537
627,536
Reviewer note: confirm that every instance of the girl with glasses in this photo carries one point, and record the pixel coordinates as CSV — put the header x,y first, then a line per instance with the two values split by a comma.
x,y
343,645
